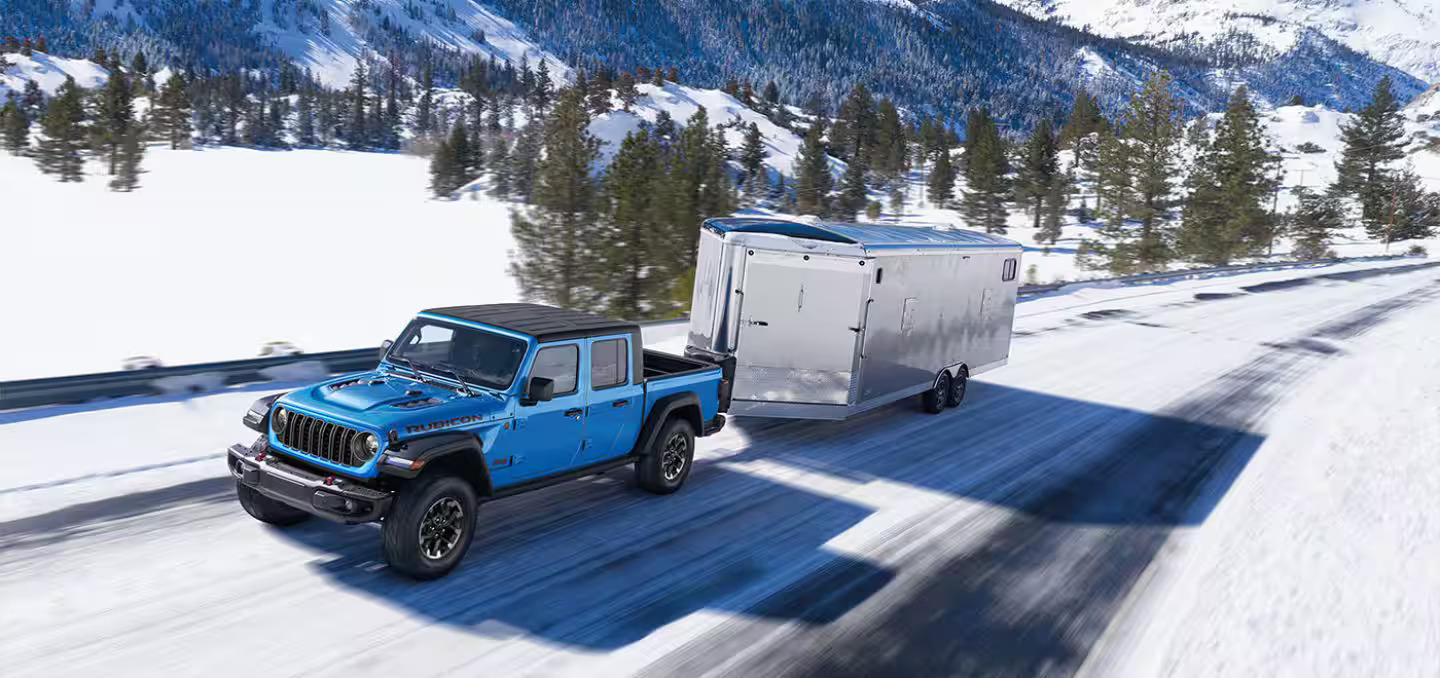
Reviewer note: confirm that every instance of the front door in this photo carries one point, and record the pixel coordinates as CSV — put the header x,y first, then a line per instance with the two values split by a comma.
x,y
617,400
799,324
547,435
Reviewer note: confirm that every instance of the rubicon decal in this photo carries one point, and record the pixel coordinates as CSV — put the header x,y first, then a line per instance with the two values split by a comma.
x,y
447,423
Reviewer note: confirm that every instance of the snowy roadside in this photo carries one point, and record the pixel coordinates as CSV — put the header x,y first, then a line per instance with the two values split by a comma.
x,y
1320,561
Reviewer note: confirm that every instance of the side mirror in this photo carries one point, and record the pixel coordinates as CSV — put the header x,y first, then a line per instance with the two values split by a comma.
x,y
385,347
539,390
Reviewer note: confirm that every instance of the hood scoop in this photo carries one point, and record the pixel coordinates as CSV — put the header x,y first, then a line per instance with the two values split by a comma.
x,y
412,404
346,384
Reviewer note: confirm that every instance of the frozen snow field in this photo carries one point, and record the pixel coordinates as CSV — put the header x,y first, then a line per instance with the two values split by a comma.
x,y
222,250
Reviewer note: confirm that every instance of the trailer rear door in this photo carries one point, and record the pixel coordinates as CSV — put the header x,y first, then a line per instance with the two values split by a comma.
x,y
799,326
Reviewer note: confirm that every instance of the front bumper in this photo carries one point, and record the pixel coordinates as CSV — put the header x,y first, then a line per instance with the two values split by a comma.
x,y
329,497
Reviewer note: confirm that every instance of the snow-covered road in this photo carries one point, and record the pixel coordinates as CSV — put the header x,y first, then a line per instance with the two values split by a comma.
x,y
1134,438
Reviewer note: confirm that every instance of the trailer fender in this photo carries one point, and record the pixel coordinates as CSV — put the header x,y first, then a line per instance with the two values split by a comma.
x,y
685,405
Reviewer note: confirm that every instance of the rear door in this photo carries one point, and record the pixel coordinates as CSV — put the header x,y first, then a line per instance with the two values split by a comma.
x,y
799,326
617,400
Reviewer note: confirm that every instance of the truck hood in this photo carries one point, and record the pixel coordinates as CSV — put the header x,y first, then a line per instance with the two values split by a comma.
x,y
379,401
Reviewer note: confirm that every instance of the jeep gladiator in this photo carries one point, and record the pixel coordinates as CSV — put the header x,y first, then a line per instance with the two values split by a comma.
x,y
469,405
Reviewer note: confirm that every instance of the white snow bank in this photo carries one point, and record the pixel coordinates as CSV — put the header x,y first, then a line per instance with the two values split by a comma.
x,y
223,250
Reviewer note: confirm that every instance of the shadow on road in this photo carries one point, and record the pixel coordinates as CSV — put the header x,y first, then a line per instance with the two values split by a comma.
x,y
600,564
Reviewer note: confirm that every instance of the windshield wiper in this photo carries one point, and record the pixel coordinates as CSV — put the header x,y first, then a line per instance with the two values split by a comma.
x,y
410,364
468,390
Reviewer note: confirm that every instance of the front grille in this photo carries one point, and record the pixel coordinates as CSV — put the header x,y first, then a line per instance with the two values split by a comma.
x,y
319,438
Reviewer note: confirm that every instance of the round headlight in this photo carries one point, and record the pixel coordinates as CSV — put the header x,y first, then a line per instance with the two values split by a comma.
x,y
279,419
364,447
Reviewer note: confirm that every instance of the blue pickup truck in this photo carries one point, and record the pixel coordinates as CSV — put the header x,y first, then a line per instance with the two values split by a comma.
x,y
469,405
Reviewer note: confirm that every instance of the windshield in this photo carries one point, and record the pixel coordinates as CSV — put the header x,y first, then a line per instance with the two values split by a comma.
x,y
483,358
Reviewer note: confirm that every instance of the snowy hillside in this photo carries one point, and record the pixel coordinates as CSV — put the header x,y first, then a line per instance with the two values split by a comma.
x,y
350,29
49,72
1402,33
680,102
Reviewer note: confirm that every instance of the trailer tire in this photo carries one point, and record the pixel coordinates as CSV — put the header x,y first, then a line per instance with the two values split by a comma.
x,y
934,400
430,527
267,510
666,466
957,387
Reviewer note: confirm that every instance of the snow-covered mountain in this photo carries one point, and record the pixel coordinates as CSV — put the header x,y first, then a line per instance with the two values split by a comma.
x,y
1402,33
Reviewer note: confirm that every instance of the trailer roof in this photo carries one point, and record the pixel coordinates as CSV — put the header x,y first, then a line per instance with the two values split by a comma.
x,y
869,236
545,323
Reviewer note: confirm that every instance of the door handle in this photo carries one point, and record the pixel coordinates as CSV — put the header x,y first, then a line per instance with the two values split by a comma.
x,y
620,403
575,413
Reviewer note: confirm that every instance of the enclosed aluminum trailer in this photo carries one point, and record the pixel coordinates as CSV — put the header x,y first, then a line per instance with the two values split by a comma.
x,y
824,320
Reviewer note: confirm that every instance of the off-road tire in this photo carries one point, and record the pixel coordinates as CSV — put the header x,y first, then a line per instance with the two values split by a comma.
x,y
267,510
934,399
428,504
958,386
657,471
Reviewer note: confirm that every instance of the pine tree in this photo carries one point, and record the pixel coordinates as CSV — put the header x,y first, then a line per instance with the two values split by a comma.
x,y
1315,221
500,169
1039,171
888,156
853,134
941,184
1224,216
544,88
14,125
771,93
59,149
1054,212
425,108
1374,140
525,159
812,174
853,192
114,117
172,111
1149,152
444,178
555,237
625,88
358,132
1413,212
632,182
305,116
131,152
986,171
462,157
752,162
599,97
33,99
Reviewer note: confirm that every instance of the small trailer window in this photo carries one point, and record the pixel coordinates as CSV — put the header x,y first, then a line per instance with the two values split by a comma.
x,y
1008,273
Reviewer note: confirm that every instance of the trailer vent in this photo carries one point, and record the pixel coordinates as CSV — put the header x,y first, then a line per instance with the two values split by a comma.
x,y
319,438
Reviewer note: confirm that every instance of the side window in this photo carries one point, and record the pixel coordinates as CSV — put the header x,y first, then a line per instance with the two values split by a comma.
x,y
1008,273
559,363
608,364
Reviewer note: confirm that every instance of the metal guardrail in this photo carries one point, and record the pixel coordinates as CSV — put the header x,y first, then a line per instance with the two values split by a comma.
x,y
82,388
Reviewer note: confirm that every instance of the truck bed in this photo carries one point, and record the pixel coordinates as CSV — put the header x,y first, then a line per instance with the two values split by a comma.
x,y
658,364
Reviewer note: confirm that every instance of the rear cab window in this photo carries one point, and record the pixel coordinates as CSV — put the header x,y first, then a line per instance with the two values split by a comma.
x,y
609,363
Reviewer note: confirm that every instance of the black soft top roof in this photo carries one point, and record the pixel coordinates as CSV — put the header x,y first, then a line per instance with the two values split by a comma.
x,y
545,323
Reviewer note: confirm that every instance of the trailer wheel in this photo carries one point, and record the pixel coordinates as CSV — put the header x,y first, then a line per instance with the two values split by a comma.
x,y
934,399
957,387
430,527
267,510
666,467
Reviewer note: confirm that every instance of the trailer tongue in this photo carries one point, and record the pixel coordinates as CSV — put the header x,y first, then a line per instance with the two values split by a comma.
x,y
824,321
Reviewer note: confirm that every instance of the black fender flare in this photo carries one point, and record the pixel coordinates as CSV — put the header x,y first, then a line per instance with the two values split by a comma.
x,y
685,404
257,418
459,449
